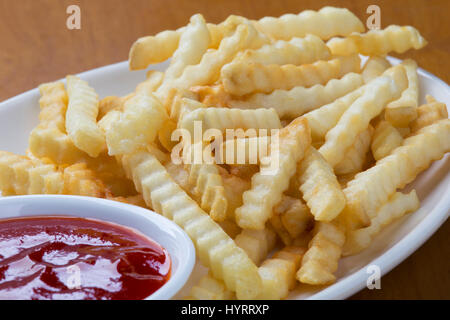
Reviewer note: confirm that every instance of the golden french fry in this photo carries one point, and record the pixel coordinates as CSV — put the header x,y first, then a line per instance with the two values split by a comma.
x,y
385,139
214,95
137,126
357,117
216,250
234,188
20,176
240,77
355,156
81,117
165,134
109,104
299,100
209,288
53,105
378,42
320,187
79,180
371,188
325,23
296,51
273,178
256,243
152,83
404,110
224,118
324,251
243,150
398,205
374,67
429,113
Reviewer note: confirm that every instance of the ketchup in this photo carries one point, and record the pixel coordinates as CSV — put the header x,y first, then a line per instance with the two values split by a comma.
x,y
75,258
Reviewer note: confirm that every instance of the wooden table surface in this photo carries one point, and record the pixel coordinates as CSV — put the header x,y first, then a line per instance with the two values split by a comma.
x,y
36,47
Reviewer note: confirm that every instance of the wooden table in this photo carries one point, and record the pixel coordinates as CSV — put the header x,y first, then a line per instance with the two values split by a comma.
x,y
37,47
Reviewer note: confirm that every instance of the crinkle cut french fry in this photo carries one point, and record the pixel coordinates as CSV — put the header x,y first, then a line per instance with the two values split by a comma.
x,y
234,188
324,251
165,134
137,126
371,188
269,184
53,104
215,248
224,118
320,187
79,180
152,83
209,288
214,95
290,219
109,104
385,139
374,67
193,43
357,117
404,110
208,69
378,42
397,205
256,243
429,113
325,23
81,117
356,154
154,49
299,100
296,51
20,176
243,150
208,189
278,272
240,77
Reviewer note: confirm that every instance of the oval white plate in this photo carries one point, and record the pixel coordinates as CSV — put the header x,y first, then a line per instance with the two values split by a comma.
x,y
19,115
165,232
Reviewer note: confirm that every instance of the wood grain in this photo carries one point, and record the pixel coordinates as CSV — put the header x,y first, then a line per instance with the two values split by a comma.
x,y
37,47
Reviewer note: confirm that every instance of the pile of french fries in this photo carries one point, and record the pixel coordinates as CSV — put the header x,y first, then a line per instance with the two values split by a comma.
x,y
350,138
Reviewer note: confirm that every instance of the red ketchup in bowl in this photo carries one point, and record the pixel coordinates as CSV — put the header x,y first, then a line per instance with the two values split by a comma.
x,y
76,258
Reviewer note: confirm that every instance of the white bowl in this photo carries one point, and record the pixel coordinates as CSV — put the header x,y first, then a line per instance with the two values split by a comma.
x,y
163,231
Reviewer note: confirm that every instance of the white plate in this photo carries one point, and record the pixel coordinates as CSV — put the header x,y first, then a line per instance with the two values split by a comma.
x,y
19,115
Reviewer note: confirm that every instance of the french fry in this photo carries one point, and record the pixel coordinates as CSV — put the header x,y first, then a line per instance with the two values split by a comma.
x,y
291,218
356,154
256,243
243,150
357,117
214,95
325,23
152,83
240,78
404,110
193,43
429,113
371,188
53,105
81,117
137,126
320,187
299,100
278,273
165,134
209,288
20,176
224,118
374,67
324,251
207,188
268,187
296,51
216,250
109,104
385,139
234,188
79,180
398,205
378,42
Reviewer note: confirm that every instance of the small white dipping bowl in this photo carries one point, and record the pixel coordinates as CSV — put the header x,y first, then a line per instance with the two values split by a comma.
x,y
163,231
